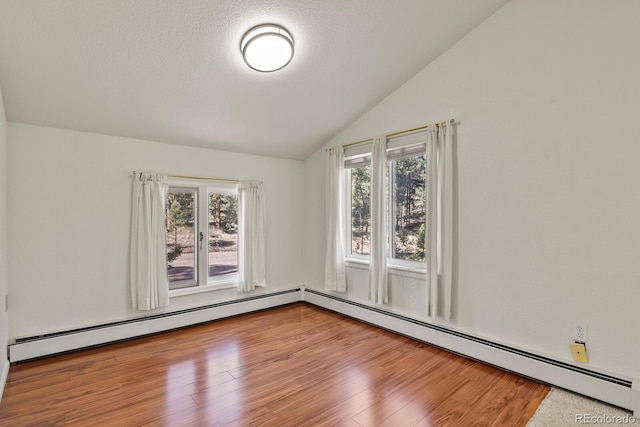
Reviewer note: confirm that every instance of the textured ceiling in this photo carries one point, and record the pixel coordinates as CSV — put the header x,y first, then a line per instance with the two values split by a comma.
x,y
171,71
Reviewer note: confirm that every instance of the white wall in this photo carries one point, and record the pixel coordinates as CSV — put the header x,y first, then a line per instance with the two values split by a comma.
x,y
546,97
4,317
69,207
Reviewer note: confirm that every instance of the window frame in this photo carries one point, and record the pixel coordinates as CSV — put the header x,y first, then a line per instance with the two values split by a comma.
x,y
348,229
203,281
185,284
392,197
406,146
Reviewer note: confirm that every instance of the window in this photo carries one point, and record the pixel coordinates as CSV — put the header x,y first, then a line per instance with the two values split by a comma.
x,y
202,235
406,204
181,235
360,179
223,234
409,207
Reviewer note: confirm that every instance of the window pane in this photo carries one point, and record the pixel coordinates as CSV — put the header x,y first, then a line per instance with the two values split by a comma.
x,y
181,230
223,234
361,210
410,208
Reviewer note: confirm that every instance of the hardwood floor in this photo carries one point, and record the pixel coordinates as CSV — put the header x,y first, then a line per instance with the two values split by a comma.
x,y
297,365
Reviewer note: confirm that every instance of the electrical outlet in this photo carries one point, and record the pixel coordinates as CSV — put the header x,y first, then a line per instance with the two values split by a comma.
x,y
580,332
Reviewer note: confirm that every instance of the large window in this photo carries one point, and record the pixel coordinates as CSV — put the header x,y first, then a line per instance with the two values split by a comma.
x,y
202,235
406,203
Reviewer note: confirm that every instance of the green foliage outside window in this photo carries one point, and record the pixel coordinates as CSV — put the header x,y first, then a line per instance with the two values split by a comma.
x,y
410,208
180,214
360,210
223,212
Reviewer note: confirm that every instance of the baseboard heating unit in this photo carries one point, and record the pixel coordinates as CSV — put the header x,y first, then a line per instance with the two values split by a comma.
x,y
618,391
60,342
621,392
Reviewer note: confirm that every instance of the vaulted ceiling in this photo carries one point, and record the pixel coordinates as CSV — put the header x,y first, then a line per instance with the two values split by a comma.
x,y
171,71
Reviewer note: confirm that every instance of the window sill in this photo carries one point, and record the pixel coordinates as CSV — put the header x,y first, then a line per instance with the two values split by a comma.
x,y
418,271
202,289
362,263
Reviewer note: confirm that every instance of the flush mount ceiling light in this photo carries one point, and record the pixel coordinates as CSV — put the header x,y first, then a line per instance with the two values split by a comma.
x,y
267,47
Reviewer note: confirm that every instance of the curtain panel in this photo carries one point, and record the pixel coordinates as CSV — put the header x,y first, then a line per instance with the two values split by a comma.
x,y
438,233
148,249
252,248
378,277
334,271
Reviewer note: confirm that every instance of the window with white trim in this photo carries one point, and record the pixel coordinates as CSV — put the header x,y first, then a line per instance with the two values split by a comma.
x,y
406,201
202,234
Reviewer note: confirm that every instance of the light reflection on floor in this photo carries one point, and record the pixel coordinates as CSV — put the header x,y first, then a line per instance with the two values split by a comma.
x,y
206,384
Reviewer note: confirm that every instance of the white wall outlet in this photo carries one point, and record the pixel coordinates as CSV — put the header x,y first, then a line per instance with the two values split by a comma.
x,y
580,332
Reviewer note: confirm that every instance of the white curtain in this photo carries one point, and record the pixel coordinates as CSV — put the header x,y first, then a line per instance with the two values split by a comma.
x,y
378,278
148,269
438,234
251,256
334,270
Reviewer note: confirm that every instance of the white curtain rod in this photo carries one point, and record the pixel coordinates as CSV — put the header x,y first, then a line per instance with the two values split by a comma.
x,y
351,144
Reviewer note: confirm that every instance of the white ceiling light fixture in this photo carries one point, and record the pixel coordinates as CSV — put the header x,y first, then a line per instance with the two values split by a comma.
x,y
267,47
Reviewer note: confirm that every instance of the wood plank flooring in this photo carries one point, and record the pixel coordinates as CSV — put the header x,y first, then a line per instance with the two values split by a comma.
x,y
296,365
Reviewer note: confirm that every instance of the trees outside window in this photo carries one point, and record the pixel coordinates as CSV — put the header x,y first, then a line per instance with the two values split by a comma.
x,y
223,234
406,207
409,212
181,215
360,210
202,235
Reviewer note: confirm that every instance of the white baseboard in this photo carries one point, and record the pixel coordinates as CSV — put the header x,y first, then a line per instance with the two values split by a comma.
x,y
88,337
622,392
4,377
604,388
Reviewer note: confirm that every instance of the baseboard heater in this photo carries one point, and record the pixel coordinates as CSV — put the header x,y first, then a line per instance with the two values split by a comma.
x,y
60,342
618,391
621,392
